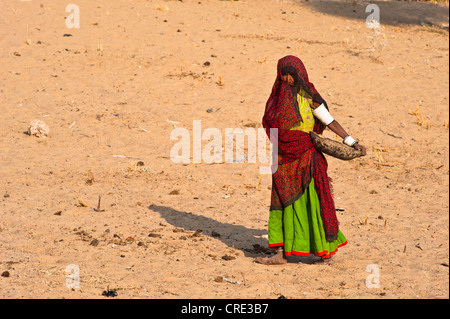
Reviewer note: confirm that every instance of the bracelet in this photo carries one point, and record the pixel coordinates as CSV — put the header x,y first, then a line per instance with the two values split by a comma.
x,y
350,141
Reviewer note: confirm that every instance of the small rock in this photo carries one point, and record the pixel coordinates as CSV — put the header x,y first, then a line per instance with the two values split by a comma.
x,y
94,242
109,293
154,235
215,234
207,63
197,233
38,128
5,273
226,257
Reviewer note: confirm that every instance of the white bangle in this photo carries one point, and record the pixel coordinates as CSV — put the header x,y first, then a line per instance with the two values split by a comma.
x,y
350,141
323,115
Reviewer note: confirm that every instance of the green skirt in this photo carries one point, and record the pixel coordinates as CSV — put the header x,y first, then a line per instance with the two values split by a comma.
x,y
300,230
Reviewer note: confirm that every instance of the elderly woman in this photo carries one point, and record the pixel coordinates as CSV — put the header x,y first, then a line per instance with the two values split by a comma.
x,y
302,219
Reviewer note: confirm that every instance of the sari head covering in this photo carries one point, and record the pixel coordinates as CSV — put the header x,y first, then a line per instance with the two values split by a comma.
x,y
298,160
281,108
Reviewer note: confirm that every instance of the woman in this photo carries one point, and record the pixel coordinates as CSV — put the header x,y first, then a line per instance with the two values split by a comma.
x,y
302,217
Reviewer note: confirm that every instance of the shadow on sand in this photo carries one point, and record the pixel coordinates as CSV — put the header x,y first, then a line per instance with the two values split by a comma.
x,y
395,13
248,240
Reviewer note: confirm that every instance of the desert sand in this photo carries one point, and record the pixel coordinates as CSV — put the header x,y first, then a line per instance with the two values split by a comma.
x,y
112,91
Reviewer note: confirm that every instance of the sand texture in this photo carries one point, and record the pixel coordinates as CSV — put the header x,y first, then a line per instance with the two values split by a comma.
x,y
112,91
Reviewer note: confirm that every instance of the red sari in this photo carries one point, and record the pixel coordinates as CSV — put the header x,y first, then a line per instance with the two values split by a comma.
x,y
298,160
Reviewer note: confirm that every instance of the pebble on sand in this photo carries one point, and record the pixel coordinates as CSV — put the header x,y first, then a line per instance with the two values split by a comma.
x,y
38,128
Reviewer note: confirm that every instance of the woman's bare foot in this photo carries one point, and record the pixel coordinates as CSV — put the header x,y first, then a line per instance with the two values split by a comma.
x,y
326,261
277,259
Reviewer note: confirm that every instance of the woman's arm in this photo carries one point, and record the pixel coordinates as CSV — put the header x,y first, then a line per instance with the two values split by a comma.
x,y
339,130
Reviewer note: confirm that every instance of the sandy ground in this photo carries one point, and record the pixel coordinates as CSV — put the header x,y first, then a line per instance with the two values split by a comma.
x,y
135,70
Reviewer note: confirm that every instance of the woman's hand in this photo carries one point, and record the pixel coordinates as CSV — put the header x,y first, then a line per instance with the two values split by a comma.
x,y
337,128
360,148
